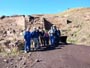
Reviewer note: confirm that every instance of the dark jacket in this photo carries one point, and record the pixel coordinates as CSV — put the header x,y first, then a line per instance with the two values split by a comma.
x,y
35,34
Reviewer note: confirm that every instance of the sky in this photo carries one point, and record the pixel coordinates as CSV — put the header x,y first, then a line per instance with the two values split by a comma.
x,y
28,7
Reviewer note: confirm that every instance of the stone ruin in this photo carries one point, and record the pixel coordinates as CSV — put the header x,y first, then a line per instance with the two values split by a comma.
x,y
12,27
45,21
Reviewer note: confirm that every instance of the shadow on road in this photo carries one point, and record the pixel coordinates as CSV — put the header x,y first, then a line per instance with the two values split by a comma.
x,y
62,43
49,47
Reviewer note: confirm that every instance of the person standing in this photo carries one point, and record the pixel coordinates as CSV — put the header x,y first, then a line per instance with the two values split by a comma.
x,y
27,40
57,36
41,35
46,38
52,37
35,37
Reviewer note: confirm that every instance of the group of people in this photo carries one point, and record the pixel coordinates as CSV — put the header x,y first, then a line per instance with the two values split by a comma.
x,y
41,37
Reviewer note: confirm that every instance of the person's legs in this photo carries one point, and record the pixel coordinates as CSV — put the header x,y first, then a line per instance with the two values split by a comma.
x,y
42,41
47,41
26,46
52,40
58,40
36,43
34,40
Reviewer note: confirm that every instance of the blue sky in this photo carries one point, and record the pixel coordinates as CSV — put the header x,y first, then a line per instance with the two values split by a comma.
x,y
28,7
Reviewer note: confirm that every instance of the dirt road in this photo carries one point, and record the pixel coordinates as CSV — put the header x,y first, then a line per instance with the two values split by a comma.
x,y
68,56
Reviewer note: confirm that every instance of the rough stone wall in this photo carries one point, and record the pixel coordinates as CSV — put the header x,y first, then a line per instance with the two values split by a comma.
x,y
19,23
33,21
45,21
11,27
12,23
57,21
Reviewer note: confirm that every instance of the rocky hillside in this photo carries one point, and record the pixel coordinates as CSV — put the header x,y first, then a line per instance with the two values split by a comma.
x,y
78,25
73,23
12,27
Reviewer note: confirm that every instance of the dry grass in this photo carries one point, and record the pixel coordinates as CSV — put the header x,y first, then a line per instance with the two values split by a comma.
x,y
78,30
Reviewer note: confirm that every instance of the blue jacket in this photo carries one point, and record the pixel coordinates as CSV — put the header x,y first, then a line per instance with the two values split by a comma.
x,y
27,36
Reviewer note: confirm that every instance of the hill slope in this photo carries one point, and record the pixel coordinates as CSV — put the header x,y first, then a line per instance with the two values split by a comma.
x,y
74,23
79,25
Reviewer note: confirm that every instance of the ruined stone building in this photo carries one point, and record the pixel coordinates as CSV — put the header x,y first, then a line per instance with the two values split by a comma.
x,y
18,23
